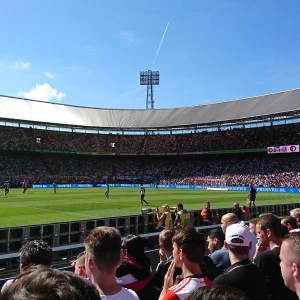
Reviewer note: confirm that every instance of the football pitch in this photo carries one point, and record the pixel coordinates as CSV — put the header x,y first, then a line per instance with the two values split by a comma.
x,y
40,206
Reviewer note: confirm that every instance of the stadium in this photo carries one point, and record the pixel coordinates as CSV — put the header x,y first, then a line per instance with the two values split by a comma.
x,y
188,154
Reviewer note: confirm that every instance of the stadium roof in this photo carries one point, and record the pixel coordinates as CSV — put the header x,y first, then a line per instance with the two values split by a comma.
x,y
263,107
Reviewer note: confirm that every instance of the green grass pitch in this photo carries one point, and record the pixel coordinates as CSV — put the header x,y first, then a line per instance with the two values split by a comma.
x,y
40,206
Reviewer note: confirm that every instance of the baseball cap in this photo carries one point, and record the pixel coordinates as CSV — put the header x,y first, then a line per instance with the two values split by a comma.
x,y
238,231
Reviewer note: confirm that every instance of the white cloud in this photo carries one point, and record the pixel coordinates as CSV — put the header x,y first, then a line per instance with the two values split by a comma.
x,y
49,75
20,65
90,48
42,92
128,37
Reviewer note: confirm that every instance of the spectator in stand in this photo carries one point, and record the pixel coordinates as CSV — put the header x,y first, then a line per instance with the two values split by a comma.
x,y
165,257
188,252
215,240
289,222
135,270
237,210
252,226
268,230
31,254
207,215
296,214
79,265
103,257
242,273
41,282
217,292
290,261
182,218
229,219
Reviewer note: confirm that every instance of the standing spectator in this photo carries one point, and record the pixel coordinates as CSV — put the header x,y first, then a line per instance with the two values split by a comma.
x,y
135,271
268,230
182,218
252,195
102,258
215,240
296,214
41,282
289,222
188,252
165,257
31,254
290,261
242,273
207,215
79,265
237,210
252,226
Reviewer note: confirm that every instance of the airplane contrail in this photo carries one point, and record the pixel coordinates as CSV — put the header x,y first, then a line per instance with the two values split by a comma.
x,y
162,39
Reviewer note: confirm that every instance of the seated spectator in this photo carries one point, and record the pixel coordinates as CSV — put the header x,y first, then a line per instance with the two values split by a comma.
x,y
284,230
164,219
290,261
44,283
165,257
242,273
215,240
182,218
290,222
209,269
237,210
217,292
135,270
32,253
207,215
102,258
246,213
188,252
296,214
268,230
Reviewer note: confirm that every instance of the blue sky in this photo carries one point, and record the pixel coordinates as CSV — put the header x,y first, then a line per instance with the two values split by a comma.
x,y
90,53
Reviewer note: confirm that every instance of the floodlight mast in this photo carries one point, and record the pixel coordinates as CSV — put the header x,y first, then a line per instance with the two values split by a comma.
x,y
149,78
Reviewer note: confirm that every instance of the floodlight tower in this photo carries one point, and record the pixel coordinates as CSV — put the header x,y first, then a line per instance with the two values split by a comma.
x,y
149,78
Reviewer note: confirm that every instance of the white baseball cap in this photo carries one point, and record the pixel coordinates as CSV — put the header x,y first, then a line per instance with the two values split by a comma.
x,y
238,231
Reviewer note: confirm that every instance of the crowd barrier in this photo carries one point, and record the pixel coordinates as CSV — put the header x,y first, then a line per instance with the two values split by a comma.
x,y
175,186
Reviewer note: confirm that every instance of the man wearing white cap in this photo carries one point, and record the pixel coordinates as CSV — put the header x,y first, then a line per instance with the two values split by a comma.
x,y
242,273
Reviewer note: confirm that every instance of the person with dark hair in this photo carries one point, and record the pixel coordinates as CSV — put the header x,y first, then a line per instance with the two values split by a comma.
x,y
102,258
290,261
268,229
290,222
207,215
284,230
188,253
242,271
44,283
182,218
35,252
237,210
215,240
217,292
135,270
252,195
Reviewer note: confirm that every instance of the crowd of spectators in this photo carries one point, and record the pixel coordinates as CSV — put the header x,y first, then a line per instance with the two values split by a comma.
x,y
258,170
229,139
241,265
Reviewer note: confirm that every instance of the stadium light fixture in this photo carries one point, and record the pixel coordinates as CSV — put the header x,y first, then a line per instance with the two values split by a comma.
x,y
149,78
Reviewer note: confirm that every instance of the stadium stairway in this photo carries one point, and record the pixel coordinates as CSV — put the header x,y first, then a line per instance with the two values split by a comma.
x,y
46,166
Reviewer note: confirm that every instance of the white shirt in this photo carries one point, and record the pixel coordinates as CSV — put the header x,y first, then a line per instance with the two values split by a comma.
x,y
124,294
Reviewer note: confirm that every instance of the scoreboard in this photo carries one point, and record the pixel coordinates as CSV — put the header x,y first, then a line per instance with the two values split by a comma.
x,y
283,149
